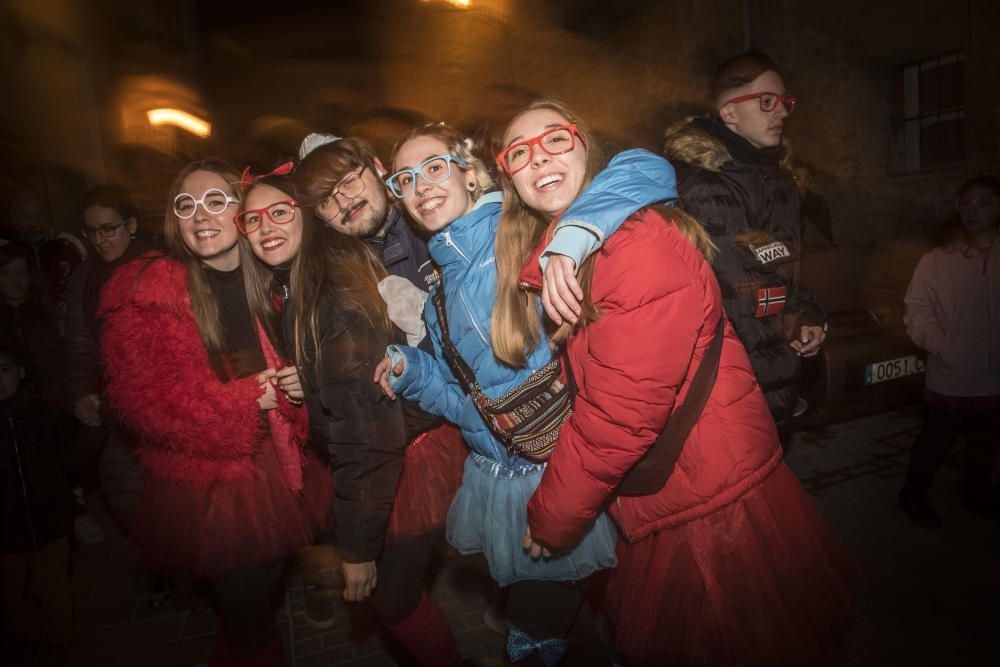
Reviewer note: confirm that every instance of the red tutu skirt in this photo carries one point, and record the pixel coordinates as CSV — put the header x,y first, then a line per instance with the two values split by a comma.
x,y
208,530
432,473
762,581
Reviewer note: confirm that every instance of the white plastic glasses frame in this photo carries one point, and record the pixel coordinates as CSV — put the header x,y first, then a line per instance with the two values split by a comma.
x,y
215,192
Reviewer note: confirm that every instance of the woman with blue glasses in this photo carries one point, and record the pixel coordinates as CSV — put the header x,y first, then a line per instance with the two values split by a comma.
x,y
444,187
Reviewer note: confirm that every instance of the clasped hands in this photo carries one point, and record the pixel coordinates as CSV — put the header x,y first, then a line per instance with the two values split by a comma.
x,y
285,380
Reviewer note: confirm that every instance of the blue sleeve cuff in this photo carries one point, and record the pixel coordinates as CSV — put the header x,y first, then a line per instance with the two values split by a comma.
x,y
397,353
571,240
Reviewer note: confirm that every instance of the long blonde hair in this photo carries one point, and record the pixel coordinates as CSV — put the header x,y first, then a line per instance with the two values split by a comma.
x,y
516,323
204,303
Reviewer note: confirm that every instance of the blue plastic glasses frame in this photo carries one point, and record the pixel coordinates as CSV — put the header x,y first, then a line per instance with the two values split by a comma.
x,y
398,189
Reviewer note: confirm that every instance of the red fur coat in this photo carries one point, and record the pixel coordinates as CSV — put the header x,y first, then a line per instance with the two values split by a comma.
x,y
192,426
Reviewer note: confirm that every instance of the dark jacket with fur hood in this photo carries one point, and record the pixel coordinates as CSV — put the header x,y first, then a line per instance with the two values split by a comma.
x,y
750,206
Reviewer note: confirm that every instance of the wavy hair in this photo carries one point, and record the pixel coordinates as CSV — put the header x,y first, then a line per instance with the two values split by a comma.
x,y
458,144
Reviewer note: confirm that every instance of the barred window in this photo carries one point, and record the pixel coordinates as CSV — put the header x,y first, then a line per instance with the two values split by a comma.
x,y
927,103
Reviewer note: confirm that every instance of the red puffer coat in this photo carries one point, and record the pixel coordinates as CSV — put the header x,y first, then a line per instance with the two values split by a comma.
x,y
659,302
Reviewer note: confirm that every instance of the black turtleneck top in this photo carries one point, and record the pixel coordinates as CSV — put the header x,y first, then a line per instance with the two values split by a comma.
x,y
244,356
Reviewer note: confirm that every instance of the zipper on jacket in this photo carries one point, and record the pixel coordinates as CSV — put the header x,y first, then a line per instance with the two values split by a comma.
x,y
471,316
621,521
451,244
24,488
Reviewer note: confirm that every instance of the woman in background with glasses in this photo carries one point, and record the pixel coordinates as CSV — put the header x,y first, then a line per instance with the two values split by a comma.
x,y
443,185
337,327
953,312
110,221
229,490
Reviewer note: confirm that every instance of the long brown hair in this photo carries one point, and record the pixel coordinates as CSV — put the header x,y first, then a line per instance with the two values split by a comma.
x,y
204,303
516,324
330,269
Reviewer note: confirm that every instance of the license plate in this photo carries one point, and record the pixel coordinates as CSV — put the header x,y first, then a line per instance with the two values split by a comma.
x,y
882,371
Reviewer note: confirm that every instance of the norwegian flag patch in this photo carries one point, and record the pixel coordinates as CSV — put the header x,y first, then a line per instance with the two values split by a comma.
x,y
770,301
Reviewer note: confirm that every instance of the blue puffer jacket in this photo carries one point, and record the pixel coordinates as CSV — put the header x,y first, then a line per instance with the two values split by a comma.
x,y
464,252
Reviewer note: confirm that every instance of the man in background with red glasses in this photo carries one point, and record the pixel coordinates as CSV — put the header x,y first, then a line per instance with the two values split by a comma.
x,y
733,174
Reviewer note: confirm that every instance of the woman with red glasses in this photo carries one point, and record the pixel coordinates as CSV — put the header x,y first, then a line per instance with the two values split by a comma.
x,y
727,561
445,188
953,312
228,490
337,327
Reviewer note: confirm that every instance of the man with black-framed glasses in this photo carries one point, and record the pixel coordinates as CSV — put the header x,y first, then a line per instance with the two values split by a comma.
x,y
733,175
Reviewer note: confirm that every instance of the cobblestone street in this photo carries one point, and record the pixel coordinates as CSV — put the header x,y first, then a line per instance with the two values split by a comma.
x,y
929,597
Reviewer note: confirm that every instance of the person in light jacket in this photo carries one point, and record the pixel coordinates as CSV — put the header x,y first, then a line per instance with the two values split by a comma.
x,y
953,312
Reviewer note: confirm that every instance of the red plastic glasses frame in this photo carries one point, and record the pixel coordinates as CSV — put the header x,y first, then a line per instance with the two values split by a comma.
x,y
240,225
788,100
573,133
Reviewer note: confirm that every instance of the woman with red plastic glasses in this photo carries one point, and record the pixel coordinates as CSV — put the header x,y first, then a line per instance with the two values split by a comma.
x,y
445,188
953,312
727,561
337,327
229,490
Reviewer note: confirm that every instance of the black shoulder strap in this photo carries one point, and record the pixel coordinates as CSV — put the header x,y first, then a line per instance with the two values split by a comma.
x,y
455,361
650,473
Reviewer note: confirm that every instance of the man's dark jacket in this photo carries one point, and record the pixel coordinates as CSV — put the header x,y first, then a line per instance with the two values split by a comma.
x,y
750,207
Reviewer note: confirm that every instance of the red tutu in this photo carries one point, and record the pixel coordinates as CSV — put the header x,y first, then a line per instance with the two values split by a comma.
x,y
432,473
224,526
762,581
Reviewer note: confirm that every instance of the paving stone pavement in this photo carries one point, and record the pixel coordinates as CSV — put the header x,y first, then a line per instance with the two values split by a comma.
x,y
928,597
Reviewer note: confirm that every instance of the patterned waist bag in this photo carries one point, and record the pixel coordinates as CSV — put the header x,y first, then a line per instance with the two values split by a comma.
x,y
527,418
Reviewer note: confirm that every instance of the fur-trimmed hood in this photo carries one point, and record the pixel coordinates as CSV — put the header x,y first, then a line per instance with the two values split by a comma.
x,y
684,141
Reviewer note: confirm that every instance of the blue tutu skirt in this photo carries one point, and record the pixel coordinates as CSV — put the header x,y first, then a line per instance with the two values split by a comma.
x,y
489,516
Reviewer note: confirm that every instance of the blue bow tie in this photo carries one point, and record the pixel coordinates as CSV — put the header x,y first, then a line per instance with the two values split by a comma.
x,y
520,645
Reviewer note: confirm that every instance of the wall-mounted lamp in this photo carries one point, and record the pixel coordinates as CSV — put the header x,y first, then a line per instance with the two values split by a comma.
x,y
182,119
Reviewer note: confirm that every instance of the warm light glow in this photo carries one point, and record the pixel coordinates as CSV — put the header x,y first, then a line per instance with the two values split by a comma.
x,y
464,4
181,119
